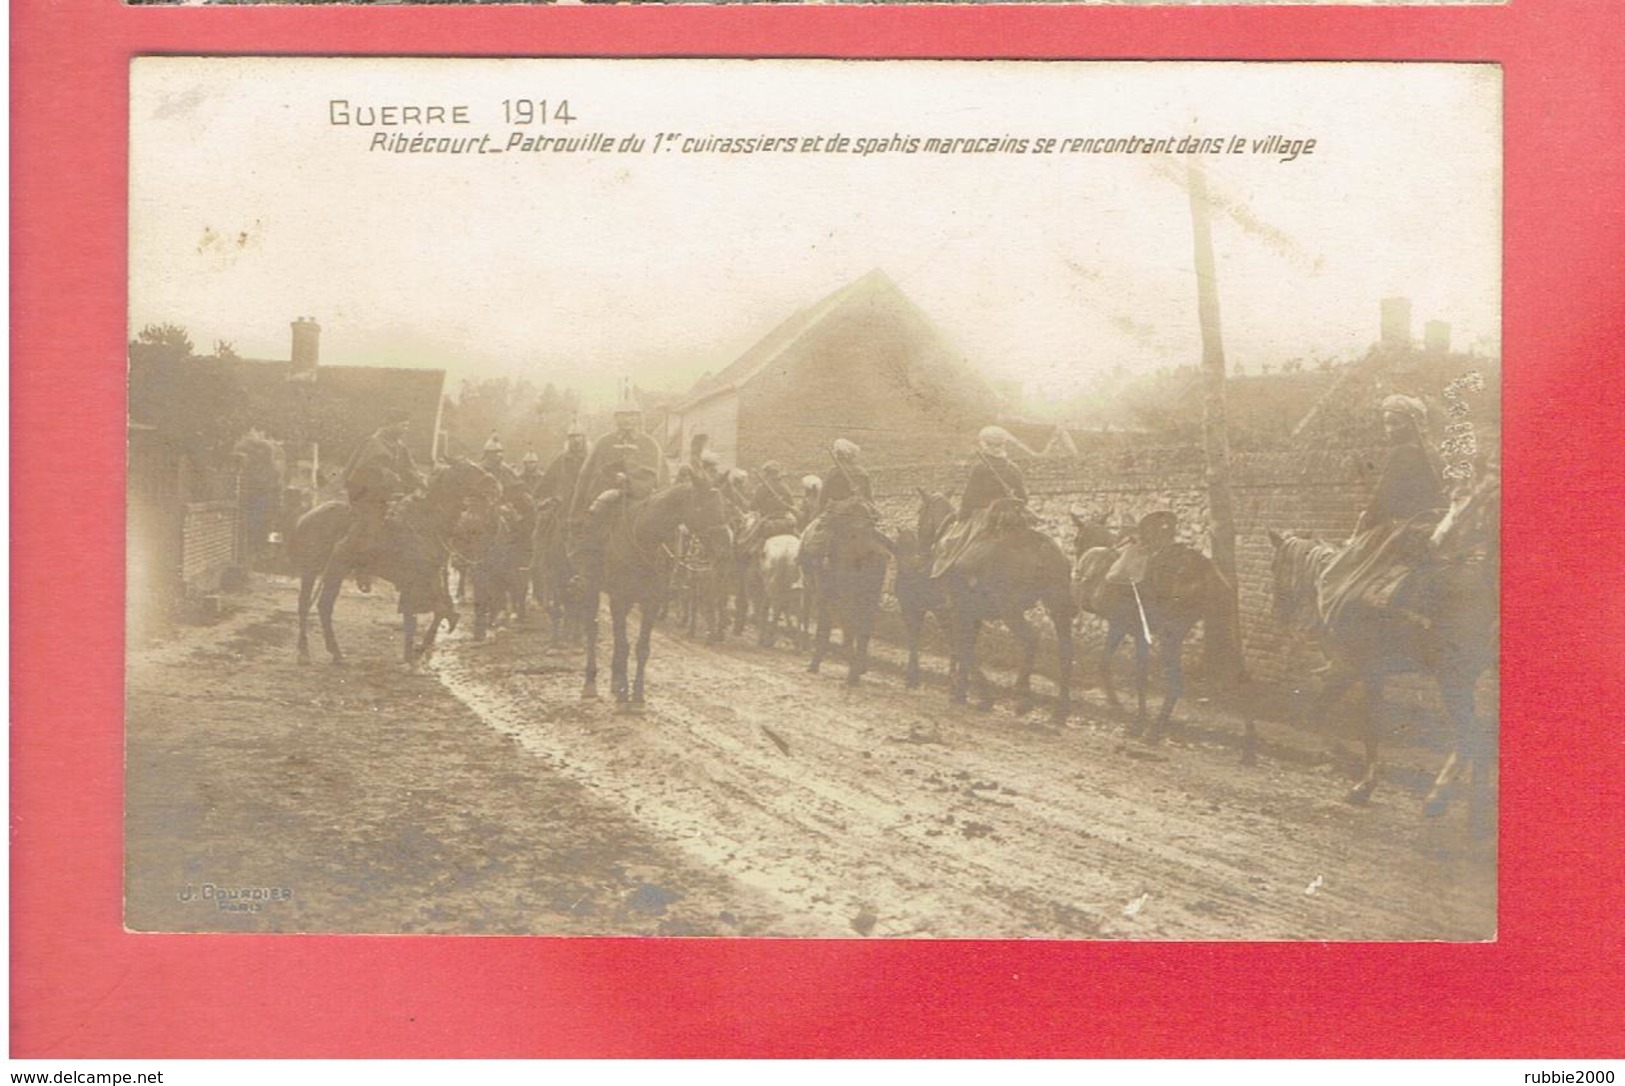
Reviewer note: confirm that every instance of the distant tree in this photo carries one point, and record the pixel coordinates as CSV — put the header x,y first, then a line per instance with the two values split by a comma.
x,y
224,351
165,340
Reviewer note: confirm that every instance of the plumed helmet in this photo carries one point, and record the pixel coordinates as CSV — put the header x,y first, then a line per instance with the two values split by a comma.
x,y
531,458
844,449
1408,406
494,444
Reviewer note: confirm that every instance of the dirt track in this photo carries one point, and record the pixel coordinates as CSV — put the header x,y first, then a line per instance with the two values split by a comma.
x,y
750,798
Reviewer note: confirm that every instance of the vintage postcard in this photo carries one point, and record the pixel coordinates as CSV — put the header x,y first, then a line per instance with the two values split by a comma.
x,y
835,499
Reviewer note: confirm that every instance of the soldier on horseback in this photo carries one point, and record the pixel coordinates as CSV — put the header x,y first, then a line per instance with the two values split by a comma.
x,y
491,461
624,465
379,471
847,480
771,511
559,478
995,497
615,460
1391,537
530,472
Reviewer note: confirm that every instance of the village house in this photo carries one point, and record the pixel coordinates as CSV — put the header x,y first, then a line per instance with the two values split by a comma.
x,y
863,363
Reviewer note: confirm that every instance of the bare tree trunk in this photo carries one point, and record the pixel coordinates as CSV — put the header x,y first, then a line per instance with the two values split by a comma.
x,y
1215,427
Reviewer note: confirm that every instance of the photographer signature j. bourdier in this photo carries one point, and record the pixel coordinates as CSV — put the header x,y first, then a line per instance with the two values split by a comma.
x,y
236,899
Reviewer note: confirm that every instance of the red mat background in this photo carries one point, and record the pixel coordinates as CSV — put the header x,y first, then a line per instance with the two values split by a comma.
x,y
1549,986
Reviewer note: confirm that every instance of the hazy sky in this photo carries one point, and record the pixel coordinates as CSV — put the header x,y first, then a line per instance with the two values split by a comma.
x,y
249,208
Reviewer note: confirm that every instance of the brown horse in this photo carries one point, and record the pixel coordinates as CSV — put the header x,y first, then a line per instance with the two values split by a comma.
x,y
1015,569
843,586
917,593
1446,624
1181,587
635,570
412,556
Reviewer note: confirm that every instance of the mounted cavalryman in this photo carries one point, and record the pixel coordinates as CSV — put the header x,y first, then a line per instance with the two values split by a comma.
x,y
994,479
559,478
379,471
625,458
846,481
1392,536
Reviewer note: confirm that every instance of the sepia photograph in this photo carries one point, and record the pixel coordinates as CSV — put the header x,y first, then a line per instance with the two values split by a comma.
x,y
814,499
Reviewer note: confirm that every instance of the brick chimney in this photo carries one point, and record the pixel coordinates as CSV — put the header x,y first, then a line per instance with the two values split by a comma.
x,y
307,336
1436,337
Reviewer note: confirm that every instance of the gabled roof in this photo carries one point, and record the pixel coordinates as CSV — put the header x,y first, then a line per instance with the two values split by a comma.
x,y
875,290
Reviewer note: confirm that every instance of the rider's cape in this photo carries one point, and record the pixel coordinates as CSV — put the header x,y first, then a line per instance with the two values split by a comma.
x,y
967,541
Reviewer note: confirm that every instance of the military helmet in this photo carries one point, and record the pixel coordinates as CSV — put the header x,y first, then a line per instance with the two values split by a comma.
x,y
494,444
531,458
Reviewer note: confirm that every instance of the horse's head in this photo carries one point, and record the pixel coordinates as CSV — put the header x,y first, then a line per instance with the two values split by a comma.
x,y
935,510
461,479
1092,531
703,511
1295,568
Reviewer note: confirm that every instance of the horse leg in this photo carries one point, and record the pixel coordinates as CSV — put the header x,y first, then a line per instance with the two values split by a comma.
x,y
1375,711
1115,632
1456,693
1173,679
307,582
964,642
984,689
618,614
409,636
914,623
589,627
820,639
1028,639
332,582
741,601
1063,665
646,629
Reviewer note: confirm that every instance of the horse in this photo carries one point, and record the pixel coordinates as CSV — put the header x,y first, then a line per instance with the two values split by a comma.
x,y
1448,628
1012,569
843,586
777,579
1181,587
550,569
493,542
635,570
702,579
917,593
412,556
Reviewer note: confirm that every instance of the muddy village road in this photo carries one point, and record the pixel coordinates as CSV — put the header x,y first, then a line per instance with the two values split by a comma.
x,y
483,795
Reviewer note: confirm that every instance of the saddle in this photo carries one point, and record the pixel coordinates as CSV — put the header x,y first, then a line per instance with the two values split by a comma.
x,y
968,542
